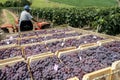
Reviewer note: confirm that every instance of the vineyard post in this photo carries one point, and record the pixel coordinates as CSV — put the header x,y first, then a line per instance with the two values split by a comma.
x,y
37,16
32,12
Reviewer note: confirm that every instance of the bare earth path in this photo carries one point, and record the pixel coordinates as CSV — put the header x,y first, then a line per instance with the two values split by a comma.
x,y
6,19
14,16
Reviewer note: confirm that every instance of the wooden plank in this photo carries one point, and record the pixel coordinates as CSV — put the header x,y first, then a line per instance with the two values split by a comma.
x,y
10,61
31,44
74,78
87,46
93,33
102,42
116,70
12,58
94,75
64,50
67,52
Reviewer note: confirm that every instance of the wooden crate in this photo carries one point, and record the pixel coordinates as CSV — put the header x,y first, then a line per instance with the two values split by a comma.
x,y
103,74
86,46
8,46
91,44
53,33
12,62
27,32
102,42
74,78
26,57
59,54
73,49
64,50
13,44
35,58
44,35
42,54
13,35
12,58
53,40
28,37
73,37
117,38
92,75
93,33
104,38
25,45
70,32
116,70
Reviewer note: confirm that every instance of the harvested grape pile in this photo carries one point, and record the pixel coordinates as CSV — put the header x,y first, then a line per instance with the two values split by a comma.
x,y
57,45
10,53
45,38
90,60
113,46
50,68
63,67
44,32
35,49
8,42
13,36
18,71
29,40
34,37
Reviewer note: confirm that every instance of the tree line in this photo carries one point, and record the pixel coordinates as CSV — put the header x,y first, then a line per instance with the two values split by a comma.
x,y
15,3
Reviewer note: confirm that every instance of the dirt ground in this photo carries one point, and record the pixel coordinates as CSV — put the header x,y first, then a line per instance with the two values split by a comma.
x,y
6,20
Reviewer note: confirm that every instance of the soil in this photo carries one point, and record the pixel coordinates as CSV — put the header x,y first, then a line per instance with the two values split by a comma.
x,y
6,21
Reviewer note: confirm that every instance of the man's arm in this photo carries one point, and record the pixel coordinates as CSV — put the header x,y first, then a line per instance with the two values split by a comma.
x,y
34,20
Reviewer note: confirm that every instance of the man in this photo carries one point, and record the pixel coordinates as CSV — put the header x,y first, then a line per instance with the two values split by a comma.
x,y
25,22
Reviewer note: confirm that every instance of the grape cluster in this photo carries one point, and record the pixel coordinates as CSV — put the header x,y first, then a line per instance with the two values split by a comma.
x,y
40,39
113,46
41,32
73,62
72,42
102,54
54,36
28,34
53,31
49,68
18,71
58,30
54,46
7,42
82,40
89,39
10,53
72,34
32,40
62,35
28,41
57,45
35,49
89,60
13,36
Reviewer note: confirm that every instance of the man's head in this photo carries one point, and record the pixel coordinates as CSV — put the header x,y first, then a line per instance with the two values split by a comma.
x,y
27,8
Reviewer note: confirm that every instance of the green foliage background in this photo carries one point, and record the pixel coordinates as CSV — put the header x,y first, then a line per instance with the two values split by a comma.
x,y
104,20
